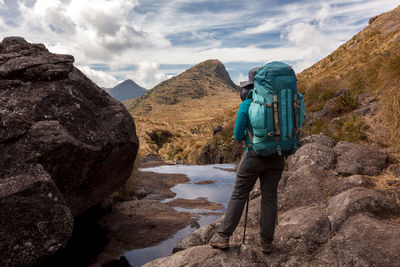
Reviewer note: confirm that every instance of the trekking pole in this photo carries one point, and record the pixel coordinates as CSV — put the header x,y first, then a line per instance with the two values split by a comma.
x,y
245,220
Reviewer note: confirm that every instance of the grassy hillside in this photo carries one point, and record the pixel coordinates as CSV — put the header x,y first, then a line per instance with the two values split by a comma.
x,y
366,68
354,93
176,118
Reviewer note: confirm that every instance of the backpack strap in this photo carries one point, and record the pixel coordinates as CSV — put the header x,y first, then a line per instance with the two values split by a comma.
x,y
250,135
267,105
248,146
296,120
277,132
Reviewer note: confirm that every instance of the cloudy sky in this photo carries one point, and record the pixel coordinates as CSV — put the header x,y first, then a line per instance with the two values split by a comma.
x,y
151,40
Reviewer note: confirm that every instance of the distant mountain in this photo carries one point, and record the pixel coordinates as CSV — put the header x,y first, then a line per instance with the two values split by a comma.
x,y
205,79
126,90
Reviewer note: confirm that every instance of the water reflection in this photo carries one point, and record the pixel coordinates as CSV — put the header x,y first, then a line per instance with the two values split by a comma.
x,y
218,192
141,256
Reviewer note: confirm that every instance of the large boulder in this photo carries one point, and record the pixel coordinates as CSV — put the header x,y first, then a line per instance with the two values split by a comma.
x,y
35,220
358,159
362,241
302,229
314,153
83,142
309,185
358,200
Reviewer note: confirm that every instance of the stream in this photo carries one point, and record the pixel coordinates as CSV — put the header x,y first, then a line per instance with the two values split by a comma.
x,y
219,192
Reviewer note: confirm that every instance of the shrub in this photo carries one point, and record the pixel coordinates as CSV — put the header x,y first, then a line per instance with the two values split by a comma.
x,y
159,137
351,128
345,103
319,93
318,126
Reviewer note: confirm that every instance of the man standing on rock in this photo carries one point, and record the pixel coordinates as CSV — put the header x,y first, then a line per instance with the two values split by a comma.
x,y
251,166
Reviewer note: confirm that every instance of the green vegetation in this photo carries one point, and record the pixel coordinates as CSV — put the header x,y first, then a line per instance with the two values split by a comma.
x,y
351,128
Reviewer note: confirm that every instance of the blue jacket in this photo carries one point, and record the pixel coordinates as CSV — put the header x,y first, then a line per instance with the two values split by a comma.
x,y
243,121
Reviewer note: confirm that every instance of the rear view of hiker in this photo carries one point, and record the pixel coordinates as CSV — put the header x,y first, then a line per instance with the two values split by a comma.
x,y
268,120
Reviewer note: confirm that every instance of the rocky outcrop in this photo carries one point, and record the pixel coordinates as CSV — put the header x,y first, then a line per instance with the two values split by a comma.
x,y
358,159
302,229
325,219
35,220
65,145
357,200
312,154
362,241
217,152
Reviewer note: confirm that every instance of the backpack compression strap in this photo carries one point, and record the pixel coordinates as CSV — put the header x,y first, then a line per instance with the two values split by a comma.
x,y
277,132
296,128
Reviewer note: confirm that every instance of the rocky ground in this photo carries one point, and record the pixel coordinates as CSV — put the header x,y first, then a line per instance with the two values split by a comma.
x,y
198,203
330,214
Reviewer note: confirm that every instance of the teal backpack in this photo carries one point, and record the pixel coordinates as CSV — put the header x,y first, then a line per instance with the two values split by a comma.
x,y
277,110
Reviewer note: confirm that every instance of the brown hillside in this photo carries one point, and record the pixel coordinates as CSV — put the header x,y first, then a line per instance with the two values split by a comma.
x,y
354,93
176,117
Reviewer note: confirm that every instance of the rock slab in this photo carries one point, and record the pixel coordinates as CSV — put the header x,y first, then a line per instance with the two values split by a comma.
x,y
358,159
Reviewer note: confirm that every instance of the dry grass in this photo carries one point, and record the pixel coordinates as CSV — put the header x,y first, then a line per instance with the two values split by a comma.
x,y
382,181
367,64
190,122
390,112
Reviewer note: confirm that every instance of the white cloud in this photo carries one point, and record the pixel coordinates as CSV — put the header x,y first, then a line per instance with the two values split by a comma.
x,y
240,78
101,78
148,74
90,30
133,32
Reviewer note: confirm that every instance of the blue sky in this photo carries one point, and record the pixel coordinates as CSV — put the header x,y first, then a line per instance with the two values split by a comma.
x,y
152,40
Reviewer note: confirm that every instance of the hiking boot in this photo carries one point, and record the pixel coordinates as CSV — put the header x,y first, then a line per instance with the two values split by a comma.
x,y
220,242
267,248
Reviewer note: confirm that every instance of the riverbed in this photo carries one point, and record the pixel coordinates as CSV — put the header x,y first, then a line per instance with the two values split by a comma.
x,y
213,182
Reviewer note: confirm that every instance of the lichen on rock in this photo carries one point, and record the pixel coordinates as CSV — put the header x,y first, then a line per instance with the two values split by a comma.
x,y
65,145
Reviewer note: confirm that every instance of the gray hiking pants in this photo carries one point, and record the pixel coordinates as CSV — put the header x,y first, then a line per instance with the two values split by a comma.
x,y
269,169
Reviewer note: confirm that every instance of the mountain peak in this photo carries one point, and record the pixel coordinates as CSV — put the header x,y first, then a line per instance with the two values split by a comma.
x,y
213,68
128,82
126,90
207,78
